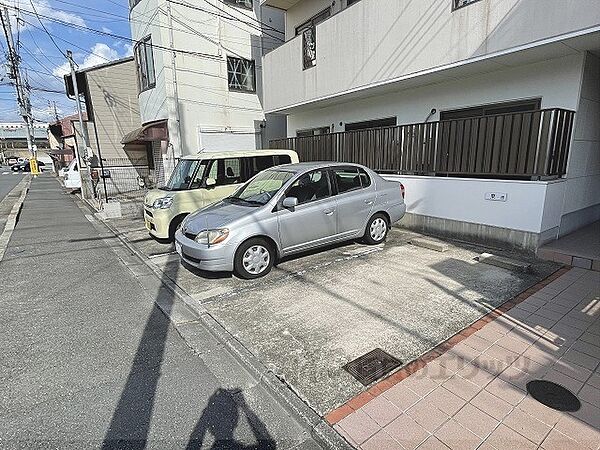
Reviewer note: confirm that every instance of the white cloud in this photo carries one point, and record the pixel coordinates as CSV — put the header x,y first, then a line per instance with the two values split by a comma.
x,y
44,8
128,49
107,30
99,54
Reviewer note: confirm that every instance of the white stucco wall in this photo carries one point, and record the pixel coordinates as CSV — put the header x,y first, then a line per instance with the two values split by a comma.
x,y
556,82
205,100
403,37
531,206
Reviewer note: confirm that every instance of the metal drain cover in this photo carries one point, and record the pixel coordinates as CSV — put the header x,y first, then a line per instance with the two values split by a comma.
x,y
372,366
553,395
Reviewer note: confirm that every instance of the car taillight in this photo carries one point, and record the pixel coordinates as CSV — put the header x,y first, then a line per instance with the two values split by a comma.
x,y
402,190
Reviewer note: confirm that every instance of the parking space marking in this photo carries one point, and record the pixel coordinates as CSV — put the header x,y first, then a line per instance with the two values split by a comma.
x,y
159,255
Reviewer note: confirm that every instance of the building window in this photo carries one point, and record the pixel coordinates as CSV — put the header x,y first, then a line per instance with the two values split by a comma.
x,y
247,4
312,132
376,123
351,2
456,4
145,64
313,21
493,109
132,3
241,74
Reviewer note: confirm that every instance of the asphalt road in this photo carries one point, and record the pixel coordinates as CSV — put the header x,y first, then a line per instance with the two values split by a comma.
x,y
7,181
88,360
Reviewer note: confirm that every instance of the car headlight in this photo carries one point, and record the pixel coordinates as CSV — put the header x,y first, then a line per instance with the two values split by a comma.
x,y
211,237
163,203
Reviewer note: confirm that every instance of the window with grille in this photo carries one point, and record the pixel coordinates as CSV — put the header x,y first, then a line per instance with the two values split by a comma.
x,y
456,4
145,64
241,74
241,3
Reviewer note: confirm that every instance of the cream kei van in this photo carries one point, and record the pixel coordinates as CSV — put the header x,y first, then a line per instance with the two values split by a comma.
x,y
201,180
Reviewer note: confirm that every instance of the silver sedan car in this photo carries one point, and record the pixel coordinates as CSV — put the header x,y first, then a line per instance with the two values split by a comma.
x,y
289,209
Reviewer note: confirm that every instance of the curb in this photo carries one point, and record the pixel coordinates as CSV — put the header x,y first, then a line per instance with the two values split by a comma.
x,y
380,387
320,430
11,221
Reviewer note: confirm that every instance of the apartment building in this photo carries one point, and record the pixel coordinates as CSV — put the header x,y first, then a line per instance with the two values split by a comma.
x,y
487,110
200,75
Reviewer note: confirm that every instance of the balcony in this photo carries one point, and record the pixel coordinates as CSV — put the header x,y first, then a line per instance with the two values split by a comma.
x,y
531,145
378,46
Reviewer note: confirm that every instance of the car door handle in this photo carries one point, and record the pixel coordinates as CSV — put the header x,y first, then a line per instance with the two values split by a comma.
x,y
329,212
369,202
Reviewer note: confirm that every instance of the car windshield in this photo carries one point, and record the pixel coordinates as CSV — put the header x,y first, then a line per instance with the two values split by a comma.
x,y
262,187
185,176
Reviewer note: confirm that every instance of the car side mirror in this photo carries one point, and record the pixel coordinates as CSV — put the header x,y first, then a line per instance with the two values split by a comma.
x,y
290,202
210,182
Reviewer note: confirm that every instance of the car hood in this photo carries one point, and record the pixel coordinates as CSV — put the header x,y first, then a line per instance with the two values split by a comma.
x,y
216,215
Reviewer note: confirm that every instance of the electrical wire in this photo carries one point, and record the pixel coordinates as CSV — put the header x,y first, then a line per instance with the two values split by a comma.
x,y
45,29
116,36
228,16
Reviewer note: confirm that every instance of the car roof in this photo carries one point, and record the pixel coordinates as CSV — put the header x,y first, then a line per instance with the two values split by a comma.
x,y
306,166
239,153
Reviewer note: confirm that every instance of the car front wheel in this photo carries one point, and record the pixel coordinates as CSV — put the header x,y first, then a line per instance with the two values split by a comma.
x,y
254,259
377,229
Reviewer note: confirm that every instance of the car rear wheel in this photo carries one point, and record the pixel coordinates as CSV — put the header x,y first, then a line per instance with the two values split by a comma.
x,y
377,229
254,259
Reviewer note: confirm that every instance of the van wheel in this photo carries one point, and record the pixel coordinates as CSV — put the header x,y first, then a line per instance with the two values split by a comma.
x,y
254,259
174,226
377,229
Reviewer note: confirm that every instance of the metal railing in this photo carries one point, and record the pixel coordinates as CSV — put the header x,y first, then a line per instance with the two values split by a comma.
x,y
525,145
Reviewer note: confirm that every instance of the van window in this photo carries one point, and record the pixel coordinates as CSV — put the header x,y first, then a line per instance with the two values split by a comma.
x,y
226,171
257,164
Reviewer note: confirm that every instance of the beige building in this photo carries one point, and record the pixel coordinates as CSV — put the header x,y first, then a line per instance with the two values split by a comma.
x,y
111,101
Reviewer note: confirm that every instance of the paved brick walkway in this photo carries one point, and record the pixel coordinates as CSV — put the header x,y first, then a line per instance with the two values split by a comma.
x,y
470,393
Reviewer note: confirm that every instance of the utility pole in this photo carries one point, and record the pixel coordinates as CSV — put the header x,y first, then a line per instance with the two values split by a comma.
x,y
22,91
84,133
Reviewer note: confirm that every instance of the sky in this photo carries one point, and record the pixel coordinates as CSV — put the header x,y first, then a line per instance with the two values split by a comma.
x,y
96,31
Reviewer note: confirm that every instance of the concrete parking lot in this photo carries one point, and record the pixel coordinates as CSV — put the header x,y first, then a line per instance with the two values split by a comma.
x,y
314,313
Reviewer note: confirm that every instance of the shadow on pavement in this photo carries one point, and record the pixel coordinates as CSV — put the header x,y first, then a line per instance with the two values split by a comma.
x,y
130,424
221,417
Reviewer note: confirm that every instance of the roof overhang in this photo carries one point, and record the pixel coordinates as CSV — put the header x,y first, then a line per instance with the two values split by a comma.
x,y
577,42
153,131
281,4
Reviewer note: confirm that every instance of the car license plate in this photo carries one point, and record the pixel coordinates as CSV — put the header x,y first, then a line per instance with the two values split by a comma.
x,y
148,226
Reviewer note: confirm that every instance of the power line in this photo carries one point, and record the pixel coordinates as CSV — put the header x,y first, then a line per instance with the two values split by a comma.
x,y
46,30
228,16
116,36
71,43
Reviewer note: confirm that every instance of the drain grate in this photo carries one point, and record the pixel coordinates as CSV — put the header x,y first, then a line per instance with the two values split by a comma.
x,y
372,366
553,395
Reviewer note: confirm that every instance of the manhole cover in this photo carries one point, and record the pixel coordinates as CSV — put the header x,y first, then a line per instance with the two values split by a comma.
x,y
553,395
372,366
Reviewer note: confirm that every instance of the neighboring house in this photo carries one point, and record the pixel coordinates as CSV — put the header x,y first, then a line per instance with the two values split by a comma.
x,y
109,92
206,93
489,109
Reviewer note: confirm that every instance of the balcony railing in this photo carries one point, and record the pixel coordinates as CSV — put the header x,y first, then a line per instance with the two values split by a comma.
x,y
527,145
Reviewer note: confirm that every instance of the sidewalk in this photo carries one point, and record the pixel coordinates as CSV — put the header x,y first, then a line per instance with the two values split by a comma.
x,y
89,360
474,394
